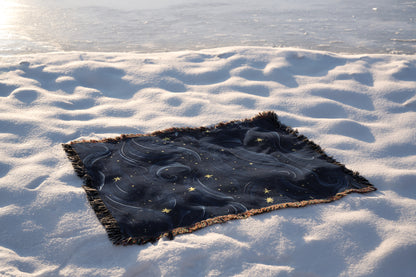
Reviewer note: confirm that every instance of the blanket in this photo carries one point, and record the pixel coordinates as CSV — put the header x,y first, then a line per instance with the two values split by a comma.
x,y
176,181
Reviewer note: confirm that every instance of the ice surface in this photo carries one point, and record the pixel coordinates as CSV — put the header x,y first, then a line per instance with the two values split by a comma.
x,y
374,26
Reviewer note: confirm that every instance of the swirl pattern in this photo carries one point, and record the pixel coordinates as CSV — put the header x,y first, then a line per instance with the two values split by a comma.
x,y
153,184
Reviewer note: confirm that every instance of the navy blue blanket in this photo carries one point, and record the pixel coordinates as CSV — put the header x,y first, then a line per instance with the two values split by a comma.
x,y
144,187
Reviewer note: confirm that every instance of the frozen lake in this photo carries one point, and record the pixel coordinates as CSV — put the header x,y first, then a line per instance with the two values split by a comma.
x,y
355,26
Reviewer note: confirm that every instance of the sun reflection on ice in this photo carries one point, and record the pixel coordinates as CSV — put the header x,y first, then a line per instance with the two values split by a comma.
x,y
9,17
8,9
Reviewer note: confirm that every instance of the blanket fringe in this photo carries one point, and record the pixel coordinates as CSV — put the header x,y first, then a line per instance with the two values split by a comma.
x,y
223,219
103,214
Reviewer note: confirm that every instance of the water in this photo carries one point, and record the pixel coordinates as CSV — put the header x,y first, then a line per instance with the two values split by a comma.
x,y
372,26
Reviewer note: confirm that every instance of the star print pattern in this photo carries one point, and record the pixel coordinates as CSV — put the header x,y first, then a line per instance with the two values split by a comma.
x,y
152,184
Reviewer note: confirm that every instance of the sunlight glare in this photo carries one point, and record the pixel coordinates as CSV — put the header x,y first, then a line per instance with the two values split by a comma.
x,y
8,9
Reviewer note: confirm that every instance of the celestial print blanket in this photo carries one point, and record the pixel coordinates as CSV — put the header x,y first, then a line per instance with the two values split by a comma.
x,y
145,187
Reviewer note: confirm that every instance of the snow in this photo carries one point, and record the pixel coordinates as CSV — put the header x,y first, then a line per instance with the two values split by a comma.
x,y
360,108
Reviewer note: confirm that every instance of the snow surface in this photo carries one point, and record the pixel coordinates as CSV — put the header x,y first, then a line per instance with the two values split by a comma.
x,y
360,108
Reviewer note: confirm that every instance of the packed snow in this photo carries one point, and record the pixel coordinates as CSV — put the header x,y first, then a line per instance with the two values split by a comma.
x,y
360,108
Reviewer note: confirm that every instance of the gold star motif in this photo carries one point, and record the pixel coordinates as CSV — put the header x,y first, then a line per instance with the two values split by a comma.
x,y
269,200
266,191
259,139
116,179
166,139
166,211
208,176
191,189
